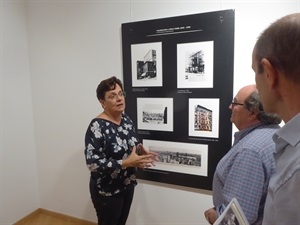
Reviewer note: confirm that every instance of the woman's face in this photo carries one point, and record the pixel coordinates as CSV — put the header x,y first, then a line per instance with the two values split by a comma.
x,y
114,100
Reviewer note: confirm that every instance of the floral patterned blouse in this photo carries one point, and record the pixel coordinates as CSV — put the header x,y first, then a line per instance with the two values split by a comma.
x,y
106,145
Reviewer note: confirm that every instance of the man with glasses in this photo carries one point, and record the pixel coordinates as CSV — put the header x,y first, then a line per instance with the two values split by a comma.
x,y
244,172
276,63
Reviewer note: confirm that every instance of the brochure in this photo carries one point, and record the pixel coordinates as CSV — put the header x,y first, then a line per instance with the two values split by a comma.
x,y
232,215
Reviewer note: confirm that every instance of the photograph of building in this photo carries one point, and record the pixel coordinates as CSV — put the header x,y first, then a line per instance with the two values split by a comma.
x,y
203,119
146,68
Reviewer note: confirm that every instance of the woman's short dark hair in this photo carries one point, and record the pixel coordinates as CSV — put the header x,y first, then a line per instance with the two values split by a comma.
x,y
253,104
107,85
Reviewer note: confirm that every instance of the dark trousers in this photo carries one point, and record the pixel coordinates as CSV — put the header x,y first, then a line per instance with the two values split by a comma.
x,y
111,210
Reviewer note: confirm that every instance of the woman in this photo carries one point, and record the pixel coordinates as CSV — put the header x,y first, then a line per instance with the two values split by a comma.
x,y
113,153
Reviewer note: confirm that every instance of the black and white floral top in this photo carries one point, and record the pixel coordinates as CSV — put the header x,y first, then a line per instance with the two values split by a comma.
x,y
106,144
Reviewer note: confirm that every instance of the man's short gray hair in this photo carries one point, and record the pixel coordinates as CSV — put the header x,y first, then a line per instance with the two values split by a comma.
x,y
253,104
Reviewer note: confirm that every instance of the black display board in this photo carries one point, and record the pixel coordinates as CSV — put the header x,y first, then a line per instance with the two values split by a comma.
x,y
178,78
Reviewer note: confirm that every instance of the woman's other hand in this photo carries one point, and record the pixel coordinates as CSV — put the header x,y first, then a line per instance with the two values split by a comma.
x,y
144,160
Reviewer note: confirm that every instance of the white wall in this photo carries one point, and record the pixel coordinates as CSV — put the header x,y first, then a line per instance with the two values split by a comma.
x,y
19,179
72,46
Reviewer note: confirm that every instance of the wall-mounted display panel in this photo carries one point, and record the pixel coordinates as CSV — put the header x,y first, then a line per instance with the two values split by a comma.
x,y
178,77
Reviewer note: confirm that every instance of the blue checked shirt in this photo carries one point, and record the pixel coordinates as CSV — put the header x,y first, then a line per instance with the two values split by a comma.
x,y
244,172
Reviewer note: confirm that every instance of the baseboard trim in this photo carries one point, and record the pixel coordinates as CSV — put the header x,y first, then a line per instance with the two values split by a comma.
x,y
54,214
28,217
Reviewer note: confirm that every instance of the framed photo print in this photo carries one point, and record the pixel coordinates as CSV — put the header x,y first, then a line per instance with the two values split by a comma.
x,y
155,114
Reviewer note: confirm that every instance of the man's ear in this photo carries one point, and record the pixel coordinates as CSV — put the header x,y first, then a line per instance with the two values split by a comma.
x,y
270,72
254,115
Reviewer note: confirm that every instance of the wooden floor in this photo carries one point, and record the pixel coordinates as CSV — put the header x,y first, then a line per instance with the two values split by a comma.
x,y
46,217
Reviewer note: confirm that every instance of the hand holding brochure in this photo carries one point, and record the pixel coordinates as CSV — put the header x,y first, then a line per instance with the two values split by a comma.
x,y
232,215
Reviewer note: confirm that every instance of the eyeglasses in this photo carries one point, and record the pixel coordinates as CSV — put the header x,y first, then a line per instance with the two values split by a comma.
x,y
234,102
113,96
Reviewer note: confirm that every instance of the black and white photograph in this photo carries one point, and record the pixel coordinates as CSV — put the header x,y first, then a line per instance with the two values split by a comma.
x,y
195,65
155,114
146,64
229,218
204,117
179,157
232,215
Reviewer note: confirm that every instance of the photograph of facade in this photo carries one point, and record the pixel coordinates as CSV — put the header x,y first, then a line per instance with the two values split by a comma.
x,y
146,68
203,118
195,63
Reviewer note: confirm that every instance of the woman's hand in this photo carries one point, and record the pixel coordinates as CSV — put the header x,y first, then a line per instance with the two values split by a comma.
x,y
144,151
145,160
